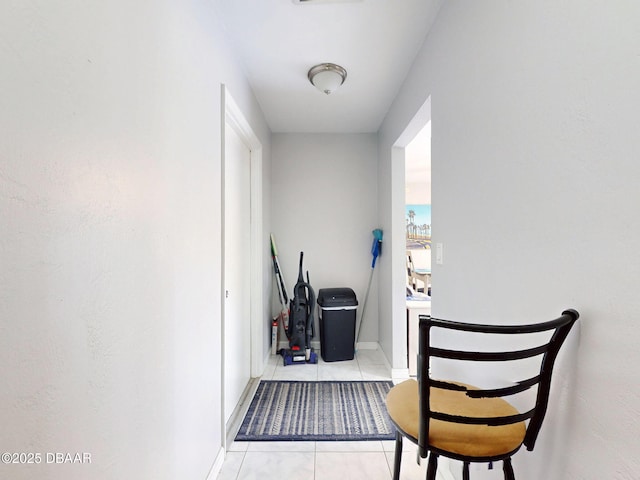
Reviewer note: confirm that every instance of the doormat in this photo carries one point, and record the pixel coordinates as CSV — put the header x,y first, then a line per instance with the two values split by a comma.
x,y
318,411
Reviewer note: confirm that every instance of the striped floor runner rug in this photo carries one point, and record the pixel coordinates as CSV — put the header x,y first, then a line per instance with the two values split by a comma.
x,y
320,411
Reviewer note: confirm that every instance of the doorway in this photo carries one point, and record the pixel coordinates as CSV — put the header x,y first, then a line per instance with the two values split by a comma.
x,y
418,210
237,267
402,338
418,237
242,254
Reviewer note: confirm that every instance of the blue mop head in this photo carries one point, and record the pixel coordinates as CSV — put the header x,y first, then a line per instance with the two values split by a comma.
x,y
376,248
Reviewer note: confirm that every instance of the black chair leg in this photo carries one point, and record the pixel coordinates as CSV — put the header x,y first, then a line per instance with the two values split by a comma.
x,y
508,469
432,467
465,471
397,458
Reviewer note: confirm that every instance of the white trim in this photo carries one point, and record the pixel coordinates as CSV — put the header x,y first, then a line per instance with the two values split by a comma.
x,y
400,373
397,253
235,117
315,344
398,235
257,299
235,422
217,465
232,114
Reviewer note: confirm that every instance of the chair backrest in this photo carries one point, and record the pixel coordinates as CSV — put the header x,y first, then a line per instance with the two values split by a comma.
x,y
410,266
546,349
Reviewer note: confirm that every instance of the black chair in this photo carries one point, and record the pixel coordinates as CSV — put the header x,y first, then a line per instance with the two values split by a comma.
x,y
463,422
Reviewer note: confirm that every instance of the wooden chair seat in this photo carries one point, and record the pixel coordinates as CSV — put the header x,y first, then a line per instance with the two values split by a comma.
x,y
479,441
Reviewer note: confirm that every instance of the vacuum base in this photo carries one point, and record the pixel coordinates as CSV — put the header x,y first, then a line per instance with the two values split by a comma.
x,y
291,357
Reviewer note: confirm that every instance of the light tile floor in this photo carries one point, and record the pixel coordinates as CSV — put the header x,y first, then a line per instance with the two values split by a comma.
x,y
322,460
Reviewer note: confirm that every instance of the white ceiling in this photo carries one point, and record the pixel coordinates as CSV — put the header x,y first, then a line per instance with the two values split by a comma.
x,y
278,41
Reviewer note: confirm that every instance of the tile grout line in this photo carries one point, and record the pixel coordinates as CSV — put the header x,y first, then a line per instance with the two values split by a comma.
x,y
244,456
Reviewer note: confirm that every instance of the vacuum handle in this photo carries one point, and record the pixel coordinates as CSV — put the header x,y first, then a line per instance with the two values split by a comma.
x,y
300,276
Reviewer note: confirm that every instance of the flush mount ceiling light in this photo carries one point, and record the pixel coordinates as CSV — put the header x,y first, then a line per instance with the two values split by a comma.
x,y
326,77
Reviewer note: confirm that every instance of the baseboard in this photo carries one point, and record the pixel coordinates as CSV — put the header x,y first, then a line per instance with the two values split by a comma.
x,y
217,465
265,362
315,344
237,416
400,373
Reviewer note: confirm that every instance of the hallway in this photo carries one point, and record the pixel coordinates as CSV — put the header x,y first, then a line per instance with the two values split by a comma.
x,y
112,211
322,460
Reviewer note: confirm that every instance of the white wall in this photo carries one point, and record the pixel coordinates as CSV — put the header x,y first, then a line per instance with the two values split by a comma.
x,y
535,173
417,167
324,203
110,209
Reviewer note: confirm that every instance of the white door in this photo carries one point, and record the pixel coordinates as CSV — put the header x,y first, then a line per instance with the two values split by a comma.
x,y
237,266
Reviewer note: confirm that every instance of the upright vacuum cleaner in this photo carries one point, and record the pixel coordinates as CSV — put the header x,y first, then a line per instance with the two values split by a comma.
x,y
301,328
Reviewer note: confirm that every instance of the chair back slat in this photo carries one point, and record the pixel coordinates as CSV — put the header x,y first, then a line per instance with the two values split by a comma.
x,y
503,329
488,356
491,421
519,387
546,351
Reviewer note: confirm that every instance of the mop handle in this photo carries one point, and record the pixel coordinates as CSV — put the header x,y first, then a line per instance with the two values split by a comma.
x,y
364,305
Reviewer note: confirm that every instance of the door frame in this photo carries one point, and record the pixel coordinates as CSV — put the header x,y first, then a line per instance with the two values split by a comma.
x,y
399,241
232,114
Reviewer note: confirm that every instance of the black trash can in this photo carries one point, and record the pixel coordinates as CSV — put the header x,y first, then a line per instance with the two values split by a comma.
x,y
337,315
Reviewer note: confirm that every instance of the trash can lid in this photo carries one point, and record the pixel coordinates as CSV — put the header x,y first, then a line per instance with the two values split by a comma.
x,y
337,297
